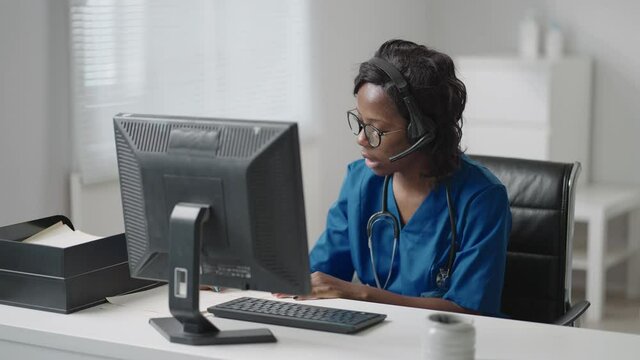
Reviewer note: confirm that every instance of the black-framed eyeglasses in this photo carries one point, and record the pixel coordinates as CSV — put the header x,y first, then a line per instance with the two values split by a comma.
x,y
373,135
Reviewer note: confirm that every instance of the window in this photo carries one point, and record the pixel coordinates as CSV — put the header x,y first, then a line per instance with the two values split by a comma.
x,y
225,58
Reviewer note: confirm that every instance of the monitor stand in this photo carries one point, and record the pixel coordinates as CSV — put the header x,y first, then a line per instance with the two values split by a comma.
x,y
188,326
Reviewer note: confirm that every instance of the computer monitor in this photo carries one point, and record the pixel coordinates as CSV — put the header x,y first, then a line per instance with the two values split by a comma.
x,y
217,198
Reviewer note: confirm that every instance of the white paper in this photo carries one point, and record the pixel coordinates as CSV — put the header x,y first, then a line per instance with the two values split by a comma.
x,y
60,235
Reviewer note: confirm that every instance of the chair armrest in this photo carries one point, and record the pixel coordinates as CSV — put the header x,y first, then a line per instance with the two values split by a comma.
x,y
573,313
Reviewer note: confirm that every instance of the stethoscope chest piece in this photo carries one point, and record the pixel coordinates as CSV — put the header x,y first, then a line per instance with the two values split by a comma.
x,y
441,278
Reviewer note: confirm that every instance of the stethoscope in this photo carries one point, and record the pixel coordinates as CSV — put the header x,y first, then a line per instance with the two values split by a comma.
x,y
385,215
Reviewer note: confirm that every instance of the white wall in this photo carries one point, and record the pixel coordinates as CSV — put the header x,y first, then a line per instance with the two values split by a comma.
x,y
601,29
34,127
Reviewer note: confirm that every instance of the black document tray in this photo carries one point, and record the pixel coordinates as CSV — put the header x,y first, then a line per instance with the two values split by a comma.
x,y
62,280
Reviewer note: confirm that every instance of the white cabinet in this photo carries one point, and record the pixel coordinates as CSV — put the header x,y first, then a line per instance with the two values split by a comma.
x,y
536,109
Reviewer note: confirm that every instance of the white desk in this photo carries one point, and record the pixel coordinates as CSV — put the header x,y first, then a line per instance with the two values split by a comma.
x,y
122,331
596,204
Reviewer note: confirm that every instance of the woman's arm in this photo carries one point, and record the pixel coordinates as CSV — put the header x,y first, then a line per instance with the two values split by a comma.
x,y
331,254
326,287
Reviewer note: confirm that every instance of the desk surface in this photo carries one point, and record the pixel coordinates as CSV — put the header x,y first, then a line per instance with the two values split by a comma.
x,y
121,330
606,199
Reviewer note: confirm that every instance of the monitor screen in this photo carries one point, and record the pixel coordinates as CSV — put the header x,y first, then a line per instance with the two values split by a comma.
x,y
215,197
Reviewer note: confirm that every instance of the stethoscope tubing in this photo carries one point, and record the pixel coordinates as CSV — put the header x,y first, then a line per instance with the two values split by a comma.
x,y
385,215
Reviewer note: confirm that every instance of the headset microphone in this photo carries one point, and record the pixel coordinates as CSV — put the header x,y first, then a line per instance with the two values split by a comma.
x,y
421,128
425,139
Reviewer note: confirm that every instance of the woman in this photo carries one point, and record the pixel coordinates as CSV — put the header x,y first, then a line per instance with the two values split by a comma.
x,y
408,122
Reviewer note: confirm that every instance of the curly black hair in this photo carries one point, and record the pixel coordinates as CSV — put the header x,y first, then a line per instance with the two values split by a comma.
x,y
439,93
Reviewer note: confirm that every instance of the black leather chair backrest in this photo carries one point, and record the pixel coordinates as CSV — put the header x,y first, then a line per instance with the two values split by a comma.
x,y
537,284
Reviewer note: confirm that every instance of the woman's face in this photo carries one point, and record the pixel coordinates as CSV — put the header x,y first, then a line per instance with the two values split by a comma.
x,y
376,108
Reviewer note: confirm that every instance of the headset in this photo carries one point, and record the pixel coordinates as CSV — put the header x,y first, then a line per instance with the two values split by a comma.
x,y
421,130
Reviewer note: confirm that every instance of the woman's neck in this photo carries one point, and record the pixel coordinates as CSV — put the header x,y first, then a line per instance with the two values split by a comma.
x,y
411,186
414,177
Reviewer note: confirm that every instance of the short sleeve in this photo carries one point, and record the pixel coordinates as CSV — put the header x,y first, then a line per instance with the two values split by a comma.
x,y
331,253
478,271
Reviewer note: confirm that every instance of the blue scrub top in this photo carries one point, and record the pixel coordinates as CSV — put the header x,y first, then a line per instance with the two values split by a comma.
x,y
483,223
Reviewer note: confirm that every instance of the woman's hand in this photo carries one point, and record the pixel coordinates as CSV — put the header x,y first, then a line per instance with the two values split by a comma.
x,y
325,286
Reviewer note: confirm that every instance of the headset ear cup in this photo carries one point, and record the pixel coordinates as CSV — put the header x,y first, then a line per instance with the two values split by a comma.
x,y
429,129
419,124
415,129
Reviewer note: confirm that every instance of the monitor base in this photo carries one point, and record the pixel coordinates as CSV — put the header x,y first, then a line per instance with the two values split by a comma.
x,y
173,331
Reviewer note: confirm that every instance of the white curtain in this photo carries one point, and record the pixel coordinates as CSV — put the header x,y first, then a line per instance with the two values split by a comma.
x,y
219,58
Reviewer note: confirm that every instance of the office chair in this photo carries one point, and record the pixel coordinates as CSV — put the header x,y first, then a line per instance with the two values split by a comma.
x,y
537,284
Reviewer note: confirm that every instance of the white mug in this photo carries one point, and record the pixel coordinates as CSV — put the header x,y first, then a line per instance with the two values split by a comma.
x,y
449,337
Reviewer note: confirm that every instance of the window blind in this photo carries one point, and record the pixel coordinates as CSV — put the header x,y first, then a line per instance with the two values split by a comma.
x,y
225,58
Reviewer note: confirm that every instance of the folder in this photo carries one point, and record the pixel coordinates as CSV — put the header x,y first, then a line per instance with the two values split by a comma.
x,y
62,280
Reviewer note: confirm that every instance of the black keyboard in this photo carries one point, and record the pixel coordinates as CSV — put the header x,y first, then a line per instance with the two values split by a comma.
x,y
296,315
